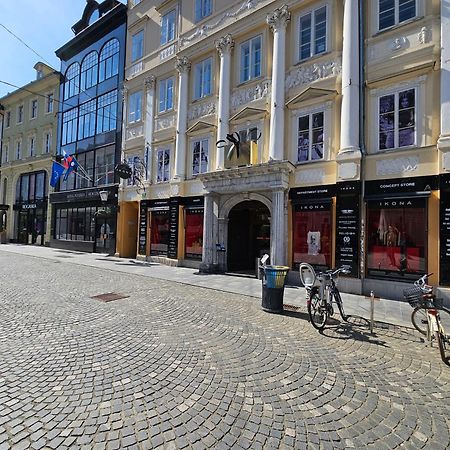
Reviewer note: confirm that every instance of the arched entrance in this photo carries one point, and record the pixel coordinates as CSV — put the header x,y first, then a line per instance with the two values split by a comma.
x,y
248,235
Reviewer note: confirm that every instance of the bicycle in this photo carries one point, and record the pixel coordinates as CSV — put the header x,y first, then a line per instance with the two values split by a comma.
x,y
429,316
322,292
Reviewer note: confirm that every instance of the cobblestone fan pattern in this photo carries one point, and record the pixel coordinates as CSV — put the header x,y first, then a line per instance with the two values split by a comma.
x,y
174,366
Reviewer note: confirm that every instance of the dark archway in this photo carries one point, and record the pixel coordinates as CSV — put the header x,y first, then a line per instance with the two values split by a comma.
x,y
248,235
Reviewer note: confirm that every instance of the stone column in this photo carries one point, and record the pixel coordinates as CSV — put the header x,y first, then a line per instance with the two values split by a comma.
x,y
224,46
209,235
350,79
278,21
183,66
444,138
278,235
150,86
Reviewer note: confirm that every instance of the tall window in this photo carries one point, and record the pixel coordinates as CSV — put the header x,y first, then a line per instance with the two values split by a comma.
x,y
34,107
396,120
109,60
86,160
135,107
251,59
203,8
20,114
104,166
89,70
202,80
200,156
49,104
392,12
69,126
48,142
72,81
19,149
6,153
86,120
106,112
32,146
137,46
313,33
310,137
163,163
8,119
168,27
166,94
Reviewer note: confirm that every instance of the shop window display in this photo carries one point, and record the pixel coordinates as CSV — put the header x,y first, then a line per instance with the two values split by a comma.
x,y
396,238
159,239
194,233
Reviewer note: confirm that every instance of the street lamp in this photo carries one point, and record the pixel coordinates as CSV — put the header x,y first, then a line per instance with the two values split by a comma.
x,y
104,196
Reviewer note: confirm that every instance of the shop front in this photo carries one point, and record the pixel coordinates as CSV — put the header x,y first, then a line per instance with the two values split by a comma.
x,y
444,238
193,229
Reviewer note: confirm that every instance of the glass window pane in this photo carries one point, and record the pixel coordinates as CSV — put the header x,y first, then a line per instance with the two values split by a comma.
x,y
406,10
386,14
320,30
305,36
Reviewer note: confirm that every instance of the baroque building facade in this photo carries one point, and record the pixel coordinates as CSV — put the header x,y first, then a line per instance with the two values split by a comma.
x,y
28,142
332,106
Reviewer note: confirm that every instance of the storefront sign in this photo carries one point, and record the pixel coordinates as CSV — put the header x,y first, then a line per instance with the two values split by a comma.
x,y
28,205
444,270
401,185
316,206
143,229
173,228
312,192
84,195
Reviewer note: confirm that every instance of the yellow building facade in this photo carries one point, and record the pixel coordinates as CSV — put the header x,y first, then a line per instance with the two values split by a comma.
x,y
308,130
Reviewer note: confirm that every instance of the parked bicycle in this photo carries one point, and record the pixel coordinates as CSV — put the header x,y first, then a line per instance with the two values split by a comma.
x,y
429,316
322,293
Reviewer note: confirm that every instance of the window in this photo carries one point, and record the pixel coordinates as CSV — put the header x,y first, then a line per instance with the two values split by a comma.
x,y
166,94
48,142
71,82
194,233
49,107
397,238
138,171
104,166
251,59
396,120
202,80
159,236
135,107
200,156
313,33
168,27
89,70
69,126
20,114
203,8
137,46
34,107
75,224
135,2
86,120
19,149
163,161
6,153
85,160
106,112
8,119
392,12
32,146
310,143
109,60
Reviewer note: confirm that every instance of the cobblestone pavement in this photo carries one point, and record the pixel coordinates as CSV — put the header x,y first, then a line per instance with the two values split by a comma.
x,y
176,366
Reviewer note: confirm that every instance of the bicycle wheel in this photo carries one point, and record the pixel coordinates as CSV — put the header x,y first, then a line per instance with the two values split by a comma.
x,y
419,320
444,347
317,310
338,300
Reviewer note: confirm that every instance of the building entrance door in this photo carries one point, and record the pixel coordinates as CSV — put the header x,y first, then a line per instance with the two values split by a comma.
x,y
248,236
105,234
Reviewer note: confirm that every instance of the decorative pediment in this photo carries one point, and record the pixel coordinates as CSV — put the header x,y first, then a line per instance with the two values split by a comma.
x,y
248,113
200,126
310,93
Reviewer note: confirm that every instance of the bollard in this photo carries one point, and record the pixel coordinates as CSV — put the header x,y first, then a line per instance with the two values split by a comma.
x,y
372,310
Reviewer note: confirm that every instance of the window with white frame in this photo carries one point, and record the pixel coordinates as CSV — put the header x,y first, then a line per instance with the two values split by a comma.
x,y
203,8
397,119
135,107
49,103
310,137
48,142
33,109
20,114
313,33
200,155
162,166
32,146
6,153
250,59
168,27
8,119
137,46
19,149
393,12
249,134
202,78
166,94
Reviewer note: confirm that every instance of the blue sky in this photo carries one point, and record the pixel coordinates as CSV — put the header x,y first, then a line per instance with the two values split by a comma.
x,y
45,25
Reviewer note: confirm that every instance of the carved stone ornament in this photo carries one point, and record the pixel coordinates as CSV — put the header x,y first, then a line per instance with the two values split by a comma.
x,y
279,18
150,82
124,91
201,109
317,71
165,122
399,43
399,165
250,94
225,44
182,64
424,35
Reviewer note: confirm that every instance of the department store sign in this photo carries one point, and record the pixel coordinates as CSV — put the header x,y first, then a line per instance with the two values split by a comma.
x,y
82,195
312,192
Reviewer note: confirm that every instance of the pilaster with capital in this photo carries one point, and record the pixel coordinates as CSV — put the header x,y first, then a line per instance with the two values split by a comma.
x,y
209,263
150,87
183,65
278,21
224,46
278,249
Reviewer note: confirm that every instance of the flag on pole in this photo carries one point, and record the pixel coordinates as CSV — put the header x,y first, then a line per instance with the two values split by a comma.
x,y
70,164
57,171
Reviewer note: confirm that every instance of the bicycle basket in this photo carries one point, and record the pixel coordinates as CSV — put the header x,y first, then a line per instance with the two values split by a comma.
x,y
413,294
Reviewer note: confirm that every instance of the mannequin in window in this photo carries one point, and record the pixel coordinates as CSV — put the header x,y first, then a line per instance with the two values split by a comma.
x,y
391,241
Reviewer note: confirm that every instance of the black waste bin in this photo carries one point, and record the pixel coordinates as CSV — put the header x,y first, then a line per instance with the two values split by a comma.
x,y
273,279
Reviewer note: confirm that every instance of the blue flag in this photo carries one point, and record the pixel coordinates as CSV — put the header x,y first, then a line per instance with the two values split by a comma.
x,y
57,171
70,164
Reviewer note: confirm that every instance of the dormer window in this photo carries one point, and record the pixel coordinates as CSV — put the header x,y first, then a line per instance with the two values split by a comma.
x,y
94,17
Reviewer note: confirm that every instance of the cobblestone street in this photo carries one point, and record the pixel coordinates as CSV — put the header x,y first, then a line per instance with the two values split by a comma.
x,y
175,366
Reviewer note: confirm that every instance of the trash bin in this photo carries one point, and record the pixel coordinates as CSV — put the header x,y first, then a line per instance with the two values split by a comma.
x,y
273,279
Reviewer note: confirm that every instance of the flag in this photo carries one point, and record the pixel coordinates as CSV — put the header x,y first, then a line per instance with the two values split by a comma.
x,y
57,171
70,164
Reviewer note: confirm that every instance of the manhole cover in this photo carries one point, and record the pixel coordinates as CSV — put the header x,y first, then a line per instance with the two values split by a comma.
x,y
109,297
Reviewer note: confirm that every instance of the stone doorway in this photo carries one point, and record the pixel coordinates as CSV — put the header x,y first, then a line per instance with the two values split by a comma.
x,y
248,236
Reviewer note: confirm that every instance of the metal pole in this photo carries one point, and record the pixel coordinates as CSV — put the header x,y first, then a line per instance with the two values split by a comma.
x,y
372,310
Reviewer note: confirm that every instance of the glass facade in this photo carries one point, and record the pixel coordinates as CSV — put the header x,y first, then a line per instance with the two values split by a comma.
x,y
159,232
194,233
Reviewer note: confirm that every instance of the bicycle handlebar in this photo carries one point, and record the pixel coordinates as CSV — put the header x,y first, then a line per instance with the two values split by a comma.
x,y
332,273
421,283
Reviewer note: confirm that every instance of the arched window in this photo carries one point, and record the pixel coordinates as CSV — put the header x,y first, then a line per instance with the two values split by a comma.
x,y
72,81
109,60
89,69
